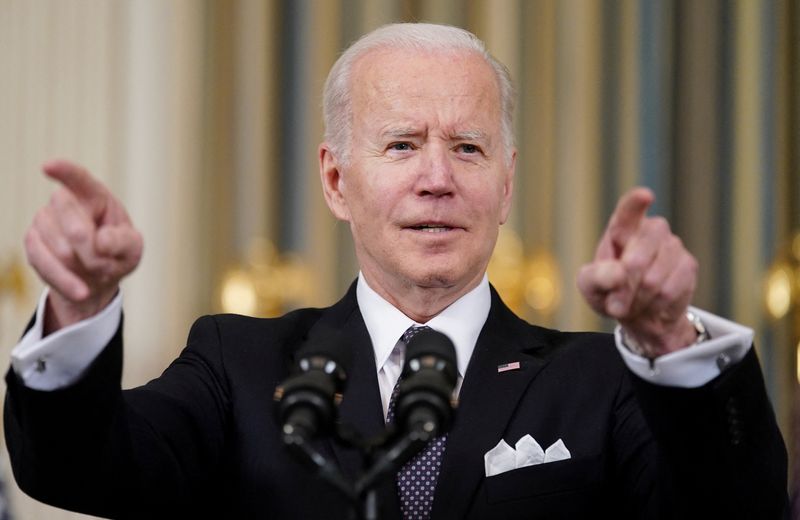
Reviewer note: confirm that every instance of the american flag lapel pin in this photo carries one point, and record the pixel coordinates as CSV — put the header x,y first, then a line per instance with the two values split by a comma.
x,y
507,367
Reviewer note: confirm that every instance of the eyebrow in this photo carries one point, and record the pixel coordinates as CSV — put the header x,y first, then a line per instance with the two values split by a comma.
x,y
469,135
404,131
410,131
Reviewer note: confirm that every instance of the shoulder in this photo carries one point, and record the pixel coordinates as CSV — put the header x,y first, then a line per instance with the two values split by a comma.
x,y
582,351
293,325
238,326
549,342
237,331
582,354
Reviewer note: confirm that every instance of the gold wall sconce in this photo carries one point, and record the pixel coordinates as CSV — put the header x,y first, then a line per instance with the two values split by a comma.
x,y
13,281
782,290
782,287
525,282
268,283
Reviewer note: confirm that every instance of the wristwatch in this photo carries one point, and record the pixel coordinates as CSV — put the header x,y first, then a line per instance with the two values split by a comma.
x,y
694,319
702,331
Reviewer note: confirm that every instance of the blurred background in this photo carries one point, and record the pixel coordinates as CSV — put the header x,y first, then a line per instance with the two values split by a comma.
x,y
203,116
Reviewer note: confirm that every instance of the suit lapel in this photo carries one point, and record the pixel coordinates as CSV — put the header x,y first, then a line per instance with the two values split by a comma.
x,y
361,406
487,402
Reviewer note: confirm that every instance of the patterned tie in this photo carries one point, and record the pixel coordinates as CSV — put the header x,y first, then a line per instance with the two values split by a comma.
x,y
416,480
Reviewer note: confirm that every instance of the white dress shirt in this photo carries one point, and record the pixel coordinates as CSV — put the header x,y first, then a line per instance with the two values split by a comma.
x,y
60,359
462,322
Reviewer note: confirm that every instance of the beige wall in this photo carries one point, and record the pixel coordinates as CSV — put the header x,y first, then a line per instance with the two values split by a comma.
x,y
116,86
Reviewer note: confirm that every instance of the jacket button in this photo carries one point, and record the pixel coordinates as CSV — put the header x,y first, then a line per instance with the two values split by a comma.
x,y
734,422
723,361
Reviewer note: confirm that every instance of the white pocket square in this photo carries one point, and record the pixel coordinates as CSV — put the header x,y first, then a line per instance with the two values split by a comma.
x,y
528,452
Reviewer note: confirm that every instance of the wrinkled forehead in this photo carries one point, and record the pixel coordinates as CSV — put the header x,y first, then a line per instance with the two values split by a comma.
x,y
394,80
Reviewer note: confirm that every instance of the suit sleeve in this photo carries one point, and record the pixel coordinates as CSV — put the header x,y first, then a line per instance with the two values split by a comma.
x,y
720,447
93,448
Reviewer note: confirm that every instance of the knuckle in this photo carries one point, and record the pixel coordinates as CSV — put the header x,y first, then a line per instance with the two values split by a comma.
x,y
661,224
634,262
676,243
43,219
136,257
665,294
104,241
650,283
32,253
137,248
30,239
584,286
77,232
61,251
692,264
669,293
92,264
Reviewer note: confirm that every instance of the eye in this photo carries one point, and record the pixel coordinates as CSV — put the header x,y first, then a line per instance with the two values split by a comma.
x,y
468,148
400,146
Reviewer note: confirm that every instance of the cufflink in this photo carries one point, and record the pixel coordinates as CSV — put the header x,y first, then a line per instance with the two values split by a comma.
x,y
723,361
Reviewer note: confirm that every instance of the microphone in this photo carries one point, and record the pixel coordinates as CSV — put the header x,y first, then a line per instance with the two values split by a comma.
x,y
423,406
308,399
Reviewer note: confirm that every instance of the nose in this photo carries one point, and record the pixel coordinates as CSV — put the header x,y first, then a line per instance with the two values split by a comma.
x,y
436,172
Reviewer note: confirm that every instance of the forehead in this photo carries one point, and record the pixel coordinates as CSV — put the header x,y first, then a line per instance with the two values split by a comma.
x,y
450,87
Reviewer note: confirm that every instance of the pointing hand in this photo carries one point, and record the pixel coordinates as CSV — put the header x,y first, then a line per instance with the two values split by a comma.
x,y
82,243
643,277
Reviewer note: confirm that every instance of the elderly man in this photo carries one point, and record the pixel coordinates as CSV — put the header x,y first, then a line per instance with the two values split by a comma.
x,y
656,421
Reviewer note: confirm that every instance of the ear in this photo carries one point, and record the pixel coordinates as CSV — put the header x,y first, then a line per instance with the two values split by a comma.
x,y
508,187
332,183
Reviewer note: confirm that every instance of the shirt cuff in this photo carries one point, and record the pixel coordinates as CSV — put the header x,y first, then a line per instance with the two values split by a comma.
x,y
694,366
60,359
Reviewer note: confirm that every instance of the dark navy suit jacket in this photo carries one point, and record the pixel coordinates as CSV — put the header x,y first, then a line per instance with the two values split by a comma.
x,y
202,440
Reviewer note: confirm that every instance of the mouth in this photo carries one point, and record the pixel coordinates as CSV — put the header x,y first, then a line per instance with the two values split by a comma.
x,y
432,228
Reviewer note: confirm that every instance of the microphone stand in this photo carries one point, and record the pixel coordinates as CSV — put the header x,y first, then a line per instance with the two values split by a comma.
x,y
424,406
299,446
383,456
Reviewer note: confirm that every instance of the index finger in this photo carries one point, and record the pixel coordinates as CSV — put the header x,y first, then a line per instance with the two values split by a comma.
x,y
79,181
628,214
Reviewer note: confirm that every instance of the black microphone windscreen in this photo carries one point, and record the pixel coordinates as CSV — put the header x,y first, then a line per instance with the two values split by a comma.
x,y
431,342
325,342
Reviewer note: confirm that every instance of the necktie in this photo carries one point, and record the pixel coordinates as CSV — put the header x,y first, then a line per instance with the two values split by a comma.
x,y
416,480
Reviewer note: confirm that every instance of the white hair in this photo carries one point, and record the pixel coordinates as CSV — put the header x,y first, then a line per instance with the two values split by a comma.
x,y
337,98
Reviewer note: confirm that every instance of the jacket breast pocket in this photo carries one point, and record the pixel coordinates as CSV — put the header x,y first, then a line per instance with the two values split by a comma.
x,y
543,479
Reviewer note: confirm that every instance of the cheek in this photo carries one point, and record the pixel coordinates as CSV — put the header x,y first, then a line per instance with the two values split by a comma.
x,y
487,200
377,201
371,213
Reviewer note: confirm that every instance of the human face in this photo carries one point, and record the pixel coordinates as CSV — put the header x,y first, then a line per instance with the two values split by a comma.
x,y
428,181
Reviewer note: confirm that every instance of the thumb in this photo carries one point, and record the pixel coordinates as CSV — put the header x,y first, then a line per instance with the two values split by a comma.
x,y
122,242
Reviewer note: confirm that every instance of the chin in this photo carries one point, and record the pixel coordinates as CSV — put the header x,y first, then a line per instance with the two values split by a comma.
x,y
444,277
439,280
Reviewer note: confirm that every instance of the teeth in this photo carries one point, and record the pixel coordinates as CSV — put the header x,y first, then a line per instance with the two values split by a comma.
x,y
432,229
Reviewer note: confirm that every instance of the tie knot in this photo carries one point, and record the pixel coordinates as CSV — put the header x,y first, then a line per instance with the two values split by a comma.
x,y
412,331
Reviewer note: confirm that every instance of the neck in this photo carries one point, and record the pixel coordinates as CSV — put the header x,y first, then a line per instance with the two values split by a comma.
x,y
421,302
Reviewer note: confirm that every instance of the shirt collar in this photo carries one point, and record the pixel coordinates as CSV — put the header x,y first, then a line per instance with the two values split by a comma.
x,y
461,321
